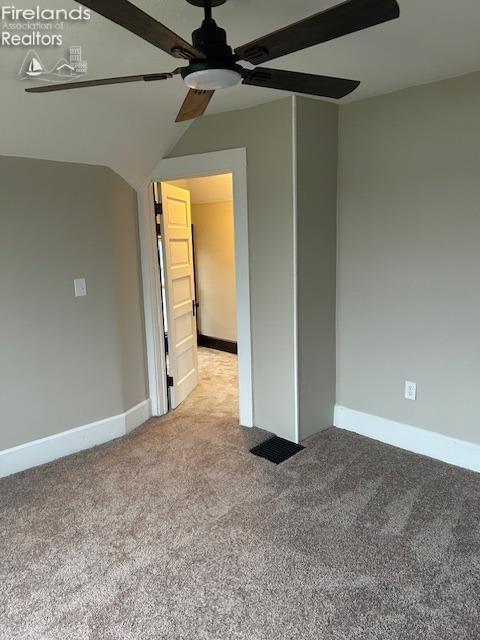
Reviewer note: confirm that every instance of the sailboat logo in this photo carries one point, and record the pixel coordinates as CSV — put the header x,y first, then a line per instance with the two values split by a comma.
x,y
33,68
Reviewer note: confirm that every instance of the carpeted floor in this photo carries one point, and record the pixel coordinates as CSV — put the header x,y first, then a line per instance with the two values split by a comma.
x,y
177,532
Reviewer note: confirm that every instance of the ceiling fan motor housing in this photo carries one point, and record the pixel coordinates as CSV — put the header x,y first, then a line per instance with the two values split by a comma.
x,y
218,70
211,40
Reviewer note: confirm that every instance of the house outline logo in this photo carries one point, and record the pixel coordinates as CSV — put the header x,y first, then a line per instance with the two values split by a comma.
x,y
32,67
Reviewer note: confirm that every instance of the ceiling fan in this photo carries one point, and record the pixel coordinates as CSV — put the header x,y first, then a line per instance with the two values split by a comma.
x,y
213,65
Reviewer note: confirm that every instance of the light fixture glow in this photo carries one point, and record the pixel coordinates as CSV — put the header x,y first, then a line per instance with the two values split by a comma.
x,y
212,79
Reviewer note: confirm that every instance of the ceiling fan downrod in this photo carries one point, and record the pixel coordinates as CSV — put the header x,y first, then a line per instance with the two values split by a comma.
x,y
208,10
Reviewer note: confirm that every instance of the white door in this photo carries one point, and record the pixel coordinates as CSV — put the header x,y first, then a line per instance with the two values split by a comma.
x,y
176,226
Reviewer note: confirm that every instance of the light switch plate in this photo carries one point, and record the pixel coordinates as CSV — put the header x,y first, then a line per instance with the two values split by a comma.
x,y
410,390
80,287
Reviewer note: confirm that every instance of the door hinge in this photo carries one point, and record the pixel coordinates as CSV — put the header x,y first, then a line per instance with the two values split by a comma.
x,y
158,214
166,343
169,381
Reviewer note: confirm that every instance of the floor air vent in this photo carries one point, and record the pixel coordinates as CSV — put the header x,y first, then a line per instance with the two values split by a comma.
x,y
276,449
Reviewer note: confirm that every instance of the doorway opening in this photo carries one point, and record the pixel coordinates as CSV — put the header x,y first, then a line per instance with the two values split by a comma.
x,y
195,227
233,161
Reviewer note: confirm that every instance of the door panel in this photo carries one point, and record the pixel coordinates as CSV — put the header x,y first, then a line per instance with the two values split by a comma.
x,y
181,290
182,335
179,253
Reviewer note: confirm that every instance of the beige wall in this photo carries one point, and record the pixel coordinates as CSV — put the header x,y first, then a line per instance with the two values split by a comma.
x,y
266,132
215,269
409,263
67,361
217,188
317,142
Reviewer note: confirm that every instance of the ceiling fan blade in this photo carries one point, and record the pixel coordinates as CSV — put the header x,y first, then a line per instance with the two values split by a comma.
x,y
348,17
130,17
150,77
324,86
194,105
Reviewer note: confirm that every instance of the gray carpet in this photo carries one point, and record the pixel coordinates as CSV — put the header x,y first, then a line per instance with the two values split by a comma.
x,y
178,532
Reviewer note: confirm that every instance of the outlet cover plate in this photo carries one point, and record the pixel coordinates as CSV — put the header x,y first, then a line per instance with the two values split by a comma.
x,y
410,390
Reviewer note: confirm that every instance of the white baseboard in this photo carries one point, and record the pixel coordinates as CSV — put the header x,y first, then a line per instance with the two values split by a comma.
x,y
428,443
32,454
137,415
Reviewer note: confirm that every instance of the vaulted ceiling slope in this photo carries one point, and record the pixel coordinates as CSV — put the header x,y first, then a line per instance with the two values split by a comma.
x,y
130,127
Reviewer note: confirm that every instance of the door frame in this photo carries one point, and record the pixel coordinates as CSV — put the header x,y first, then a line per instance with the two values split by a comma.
x,y
232,161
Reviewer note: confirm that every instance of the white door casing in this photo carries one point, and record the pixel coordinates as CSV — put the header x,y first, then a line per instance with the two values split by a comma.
x,y
232,161
176,225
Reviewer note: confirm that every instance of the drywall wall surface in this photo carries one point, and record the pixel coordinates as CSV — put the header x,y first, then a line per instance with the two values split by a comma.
x,y
409,256
66,361
217,188
215,269
317,146
266,133
125,243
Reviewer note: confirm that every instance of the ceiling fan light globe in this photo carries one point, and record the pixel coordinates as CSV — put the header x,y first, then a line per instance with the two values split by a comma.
x,y
212,79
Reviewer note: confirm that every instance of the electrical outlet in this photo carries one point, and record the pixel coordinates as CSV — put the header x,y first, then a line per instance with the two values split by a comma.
x,y
80,287
410,390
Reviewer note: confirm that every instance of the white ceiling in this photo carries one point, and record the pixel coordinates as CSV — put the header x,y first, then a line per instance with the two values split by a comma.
x,y
208,189
130,127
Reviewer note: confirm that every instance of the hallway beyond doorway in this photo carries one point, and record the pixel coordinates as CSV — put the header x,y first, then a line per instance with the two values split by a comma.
x,y
234,162
217,390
